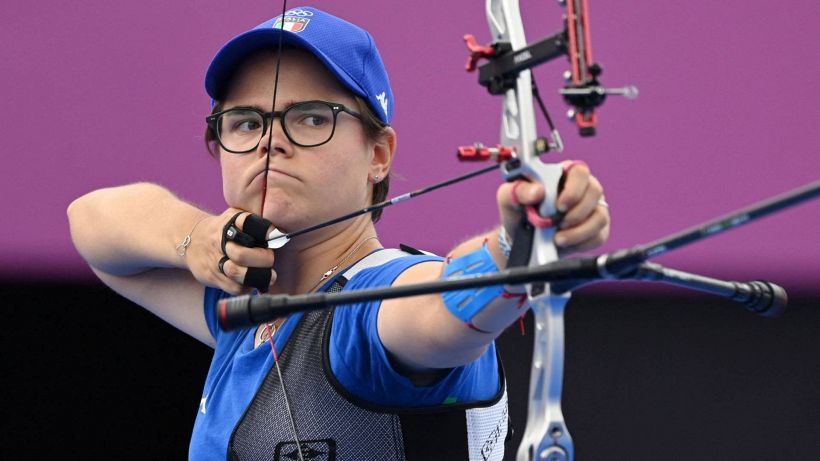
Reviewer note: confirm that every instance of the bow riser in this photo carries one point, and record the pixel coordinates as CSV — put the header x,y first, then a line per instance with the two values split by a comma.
x,y
545,436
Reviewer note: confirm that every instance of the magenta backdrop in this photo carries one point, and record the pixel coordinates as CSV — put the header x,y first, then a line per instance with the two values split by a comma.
x,y
100,93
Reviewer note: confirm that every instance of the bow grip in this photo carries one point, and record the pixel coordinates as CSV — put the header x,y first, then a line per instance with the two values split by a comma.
x,y
548,175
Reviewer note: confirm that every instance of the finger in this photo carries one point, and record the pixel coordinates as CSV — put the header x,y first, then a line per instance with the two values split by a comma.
x,y
249,257
261,278
585,207
599,240
529,193
590,233
223,277
221,264
230,231
576,182
256,227
512,195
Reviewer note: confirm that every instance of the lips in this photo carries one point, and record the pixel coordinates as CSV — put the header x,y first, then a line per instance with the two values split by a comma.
x,y
274,172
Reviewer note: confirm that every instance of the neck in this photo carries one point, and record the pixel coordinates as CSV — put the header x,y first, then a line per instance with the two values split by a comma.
x,y
300,264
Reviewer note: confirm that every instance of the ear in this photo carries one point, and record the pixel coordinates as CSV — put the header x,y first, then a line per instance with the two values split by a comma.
x,y
383,152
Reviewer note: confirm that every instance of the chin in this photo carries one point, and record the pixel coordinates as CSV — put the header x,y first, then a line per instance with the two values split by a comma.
x,y
282,217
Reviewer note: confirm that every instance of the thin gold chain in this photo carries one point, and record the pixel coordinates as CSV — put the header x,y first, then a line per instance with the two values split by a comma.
x,y
332,270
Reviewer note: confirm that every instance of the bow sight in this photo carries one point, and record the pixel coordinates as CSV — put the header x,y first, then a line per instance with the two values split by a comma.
x,y
582,92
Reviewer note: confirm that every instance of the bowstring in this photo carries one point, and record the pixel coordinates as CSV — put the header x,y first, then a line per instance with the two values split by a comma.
x,y
270,333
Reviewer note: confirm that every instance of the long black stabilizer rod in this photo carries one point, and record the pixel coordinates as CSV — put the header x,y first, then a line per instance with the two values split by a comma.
x,y
244,311
759,296
248,310
623,263
734,219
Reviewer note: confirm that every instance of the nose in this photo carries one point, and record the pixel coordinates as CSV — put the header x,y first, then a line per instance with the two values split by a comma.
x,y
275,140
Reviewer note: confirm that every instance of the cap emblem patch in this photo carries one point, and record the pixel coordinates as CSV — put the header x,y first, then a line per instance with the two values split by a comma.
x,y
292,23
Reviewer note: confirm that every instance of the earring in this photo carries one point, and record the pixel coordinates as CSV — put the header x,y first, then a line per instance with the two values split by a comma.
x,y
376,178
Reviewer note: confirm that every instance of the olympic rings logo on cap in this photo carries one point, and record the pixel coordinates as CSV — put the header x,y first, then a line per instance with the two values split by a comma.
x,y
298,12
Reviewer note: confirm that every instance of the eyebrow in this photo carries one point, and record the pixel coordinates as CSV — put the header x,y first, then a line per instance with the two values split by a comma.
x,y
263,109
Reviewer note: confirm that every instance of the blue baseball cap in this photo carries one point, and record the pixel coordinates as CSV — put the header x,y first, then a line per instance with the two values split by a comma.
x,y
347,50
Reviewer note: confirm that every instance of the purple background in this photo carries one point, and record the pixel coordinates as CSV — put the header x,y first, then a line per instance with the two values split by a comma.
x,y
100,93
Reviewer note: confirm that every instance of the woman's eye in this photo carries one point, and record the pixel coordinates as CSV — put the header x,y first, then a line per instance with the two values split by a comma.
x,y
246,125
241,122
316,120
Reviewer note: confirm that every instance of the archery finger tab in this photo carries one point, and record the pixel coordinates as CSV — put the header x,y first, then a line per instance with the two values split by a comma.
x,y
251,257
233,234
257,228
230,224
259,278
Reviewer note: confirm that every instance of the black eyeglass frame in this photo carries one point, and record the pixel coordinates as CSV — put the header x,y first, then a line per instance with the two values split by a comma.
x,y
213,119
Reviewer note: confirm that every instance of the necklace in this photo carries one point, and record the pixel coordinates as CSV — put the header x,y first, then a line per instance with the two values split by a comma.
x,y
330,271
267,332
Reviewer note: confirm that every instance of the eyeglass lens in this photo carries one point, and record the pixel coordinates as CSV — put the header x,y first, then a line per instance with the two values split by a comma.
x,y
306,124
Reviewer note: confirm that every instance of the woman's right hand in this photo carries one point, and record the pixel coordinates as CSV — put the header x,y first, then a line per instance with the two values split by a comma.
x,y
205,252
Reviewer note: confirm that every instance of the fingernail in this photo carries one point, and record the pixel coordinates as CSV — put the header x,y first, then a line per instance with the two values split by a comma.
x,y
561,207
560,240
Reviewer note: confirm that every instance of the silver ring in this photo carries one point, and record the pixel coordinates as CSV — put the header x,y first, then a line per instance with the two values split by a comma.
x,y
602,203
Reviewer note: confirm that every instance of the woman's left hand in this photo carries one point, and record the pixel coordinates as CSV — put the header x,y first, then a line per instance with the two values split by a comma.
x,y
586,216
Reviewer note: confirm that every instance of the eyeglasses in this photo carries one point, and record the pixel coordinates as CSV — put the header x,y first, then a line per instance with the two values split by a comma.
x,y
306,124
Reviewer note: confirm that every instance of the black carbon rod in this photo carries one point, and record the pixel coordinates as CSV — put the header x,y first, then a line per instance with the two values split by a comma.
x,y
248,310
244,311
759,296
732,220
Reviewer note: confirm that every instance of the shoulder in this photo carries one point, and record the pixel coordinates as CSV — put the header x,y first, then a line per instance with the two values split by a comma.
x,y
383,267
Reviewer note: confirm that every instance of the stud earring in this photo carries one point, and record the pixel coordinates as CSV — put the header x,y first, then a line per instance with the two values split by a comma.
x,y
376,178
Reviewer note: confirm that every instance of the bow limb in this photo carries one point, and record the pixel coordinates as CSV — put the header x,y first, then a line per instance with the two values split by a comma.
x,y
545,436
